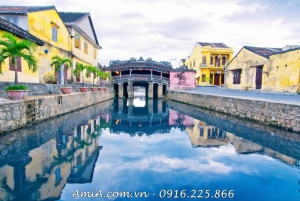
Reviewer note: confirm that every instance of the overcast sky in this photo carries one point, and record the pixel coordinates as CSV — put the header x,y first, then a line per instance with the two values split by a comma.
x,y
168,29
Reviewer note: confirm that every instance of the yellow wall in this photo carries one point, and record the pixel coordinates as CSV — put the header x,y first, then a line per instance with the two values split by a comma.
x,y
244,60
194,61
82,57
40,25
285,78
281,79
25,76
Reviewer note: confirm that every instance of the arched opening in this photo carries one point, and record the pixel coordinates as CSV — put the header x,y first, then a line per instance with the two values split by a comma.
x,y
155,90
125,91
164,90
116,90
155,106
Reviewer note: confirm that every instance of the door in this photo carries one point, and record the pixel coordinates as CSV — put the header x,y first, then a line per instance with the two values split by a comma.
x,y
258,79
217,79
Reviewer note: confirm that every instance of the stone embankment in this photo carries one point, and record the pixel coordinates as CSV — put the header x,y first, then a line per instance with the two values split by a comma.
x,y
21,113
271,113
42,89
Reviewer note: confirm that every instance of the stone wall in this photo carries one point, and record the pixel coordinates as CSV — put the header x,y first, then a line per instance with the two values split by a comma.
x,y
277,114
41,89
21,113
23,140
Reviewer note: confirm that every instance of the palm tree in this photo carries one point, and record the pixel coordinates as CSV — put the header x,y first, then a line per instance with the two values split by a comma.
x,y
94,70
13,48
58,63
80,68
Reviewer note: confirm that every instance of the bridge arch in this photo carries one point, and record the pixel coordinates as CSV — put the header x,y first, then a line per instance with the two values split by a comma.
x,y
153,75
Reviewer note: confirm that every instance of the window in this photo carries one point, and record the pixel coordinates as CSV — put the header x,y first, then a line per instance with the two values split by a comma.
x,y
211,60
203,77
194,63
223,60
85,47
54,34
201,132
217,63
77,41
191,65
95,53
19,65
12,19
237,77
204,60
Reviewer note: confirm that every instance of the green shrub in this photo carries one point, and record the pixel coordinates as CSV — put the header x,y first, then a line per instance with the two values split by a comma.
x,y
17,87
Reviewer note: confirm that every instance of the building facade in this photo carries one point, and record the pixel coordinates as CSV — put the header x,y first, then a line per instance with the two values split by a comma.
x,y
209,60
65,34
85,44
8,70
267,69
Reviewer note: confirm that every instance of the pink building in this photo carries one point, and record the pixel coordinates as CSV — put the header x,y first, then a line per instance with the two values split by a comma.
x,y
184,79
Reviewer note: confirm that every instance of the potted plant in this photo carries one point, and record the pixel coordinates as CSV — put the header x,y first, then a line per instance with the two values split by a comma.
x,y
79,70
95,72
65,63
12,48
103,76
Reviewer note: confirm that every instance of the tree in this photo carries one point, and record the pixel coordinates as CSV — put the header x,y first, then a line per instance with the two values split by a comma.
x,y
79,69
13,48
58,63
93,70
103,75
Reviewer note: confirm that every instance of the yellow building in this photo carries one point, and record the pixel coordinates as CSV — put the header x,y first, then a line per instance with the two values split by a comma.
x,y
70,35
85,44
209,60
269,69
44,23
203,135
24,74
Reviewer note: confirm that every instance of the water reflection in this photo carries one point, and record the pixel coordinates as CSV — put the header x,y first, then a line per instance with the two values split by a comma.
x,y
169,145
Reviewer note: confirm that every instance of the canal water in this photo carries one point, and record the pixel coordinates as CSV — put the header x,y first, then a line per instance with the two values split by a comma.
x,y
141,149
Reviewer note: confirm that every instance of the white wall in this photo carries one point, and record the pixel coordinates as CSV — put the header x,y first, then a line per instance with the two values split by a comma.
x,y
23,20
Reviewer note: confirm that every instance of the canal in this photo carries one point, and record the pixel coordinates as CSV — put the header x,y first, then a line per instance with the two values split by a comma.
x,y
149,149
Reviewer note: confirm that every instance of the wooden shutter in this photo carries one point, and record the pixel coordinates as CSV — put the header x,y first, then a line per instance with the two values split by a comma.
x,y
77,41
223,60
85,47
95,52
204,60
19,65
211,60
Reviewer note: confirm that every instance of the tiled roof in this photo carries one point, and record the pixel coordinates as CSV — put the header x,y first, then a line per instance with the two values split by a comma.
x,y
73,17
68,17
18,31
218,45
23,9
263,51
183,60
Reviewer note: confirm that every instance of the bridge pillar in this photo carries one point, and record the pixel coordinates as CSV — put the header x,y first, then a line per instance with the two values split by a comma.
x,y
130,90
150,90
160,91
130,106
150,106
120,90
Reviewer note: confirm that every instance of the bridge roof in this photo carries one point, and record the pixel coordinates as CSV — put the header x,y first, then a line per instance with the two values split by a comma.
x,y
140,64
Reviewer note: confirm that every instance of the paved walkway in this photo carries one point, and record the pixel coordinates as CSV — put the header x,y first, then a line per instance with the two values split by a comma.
x,y
253,95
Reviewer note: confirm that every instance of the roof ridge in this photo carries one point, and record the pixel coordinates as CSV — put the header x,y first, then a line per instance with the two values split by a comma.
x,y
16,30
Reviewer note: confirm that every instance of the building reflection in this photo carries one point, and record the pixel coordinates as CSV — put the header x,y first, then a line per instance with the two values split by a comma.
x,y
155,118
42,173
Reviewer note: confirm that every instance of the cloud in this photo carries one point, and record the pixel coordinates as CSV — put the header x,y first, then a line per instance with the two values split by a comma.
x,y
164,30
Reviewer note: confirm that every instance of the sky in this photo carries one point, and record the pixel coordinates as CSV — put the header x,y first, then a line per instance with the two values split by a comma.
x,y
167,30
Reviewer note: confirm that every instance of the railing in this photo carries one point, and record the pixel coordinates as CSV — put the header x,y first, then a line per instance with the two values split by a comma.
x,y
140,77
